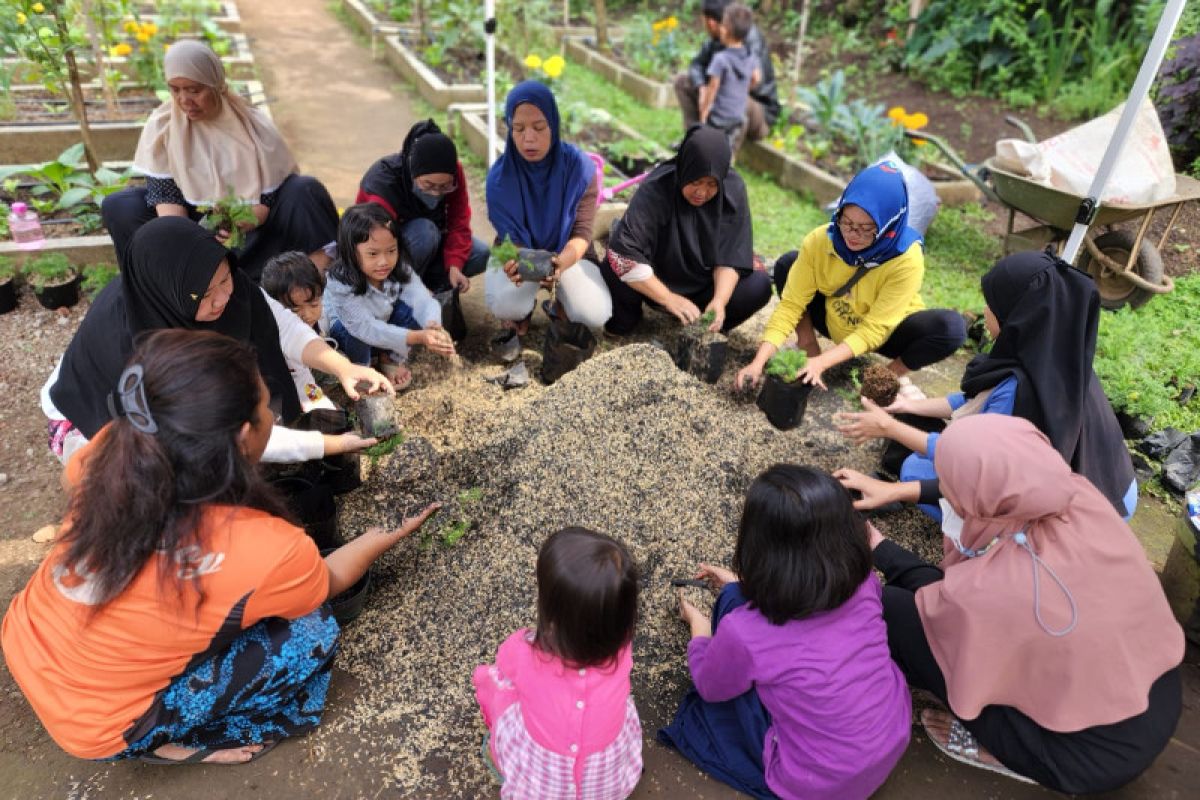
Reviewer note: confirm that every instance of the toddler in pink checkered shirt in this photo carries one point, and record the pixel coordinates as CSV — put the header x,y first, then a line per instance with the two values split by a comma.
x,y
561,721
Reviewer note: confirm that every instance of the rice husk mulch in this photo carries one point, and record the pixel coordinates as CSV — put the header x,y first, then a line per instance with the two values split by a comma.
x,y
626,444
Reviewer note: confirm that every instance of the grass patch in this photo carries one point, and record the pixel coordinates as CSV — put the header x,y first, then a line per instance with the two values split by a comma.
x,y
958,251
1146,358
782,217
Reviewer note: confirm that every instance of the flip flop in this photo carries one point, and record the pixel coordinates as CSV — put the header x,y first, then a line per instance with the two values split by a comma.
x,y
201,754
963,748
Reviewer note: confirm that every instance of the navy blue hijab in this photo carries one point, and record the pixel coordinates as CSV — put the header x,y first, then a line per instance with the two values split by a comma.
x,y
534,203
880,191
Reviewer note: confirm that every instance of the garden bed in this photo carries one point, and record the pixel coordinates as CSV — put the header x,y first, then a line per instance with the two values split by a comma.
x,y
29,142
364,17
80,250
429,84
656,94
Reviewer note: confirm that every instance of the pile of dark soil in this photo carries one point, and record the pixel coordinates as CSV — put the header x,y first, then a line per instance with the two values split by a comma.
x,y
880,385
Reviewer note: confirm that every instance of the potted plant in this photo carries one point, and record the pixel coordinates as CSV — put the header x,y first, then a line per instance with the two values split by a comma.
x,y
8,285
96,277
54,279
532,265
783,398
879,385
700,351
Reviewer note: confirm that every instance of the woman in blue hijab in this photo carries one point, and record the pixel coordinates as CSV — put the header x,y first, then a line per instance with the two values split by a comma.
x,y
541,194
857,281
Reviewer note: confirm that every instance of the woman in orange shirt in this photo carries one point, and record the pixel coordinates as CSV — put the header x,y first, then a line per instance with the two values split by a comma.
x,y
181,618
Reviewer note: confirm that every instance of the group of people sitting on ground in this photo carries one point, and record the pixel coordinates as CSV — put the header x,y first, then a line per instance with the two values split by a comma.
x,y
205,637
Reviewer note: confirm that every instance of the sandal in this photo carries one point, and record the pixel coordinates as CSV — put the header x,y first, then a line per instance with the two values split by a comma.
x,y
201,754
964,748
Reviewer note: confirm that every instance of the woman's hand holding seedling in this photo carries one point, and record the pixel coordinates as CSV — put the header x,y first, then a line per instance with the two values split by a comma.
x,y
347,443
713,317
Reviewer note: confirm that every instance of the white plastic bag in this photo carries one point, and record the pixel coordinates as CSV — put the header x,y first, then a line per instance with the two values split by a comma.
x,y
1143,175
923,200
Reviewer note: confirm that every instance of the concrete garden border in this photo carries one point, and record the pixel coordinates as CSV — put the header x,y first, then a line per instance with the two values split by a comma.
x,y
364,19
433,89
649,92
80,250
792,172
116,141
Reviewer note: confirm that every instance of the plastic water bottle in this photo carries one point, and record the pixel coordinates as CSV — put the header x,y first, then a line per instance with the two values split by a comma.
x,y
26,227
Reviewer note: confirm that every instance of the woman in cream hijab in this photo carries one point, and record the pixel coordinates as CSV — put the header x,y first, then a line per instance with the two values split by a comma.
x,y
1044,631
206,143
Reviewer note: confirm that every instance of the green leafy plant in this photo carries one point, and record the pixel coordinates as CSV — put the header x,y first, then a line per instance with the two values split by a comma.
x,y
706,319
66,181
658,47
825,100
455,531
1179,102
229,213
786,364
97,276
472,495
384,447
49,269
8,269
504,252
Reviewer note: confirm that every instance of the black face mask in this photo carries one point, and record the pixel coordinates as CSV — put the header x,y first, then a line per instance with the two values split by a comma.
x,y
430,200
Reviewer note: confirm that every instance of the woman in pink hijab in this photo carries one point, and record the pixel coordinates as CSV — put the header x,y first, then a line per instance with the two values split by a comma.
x,y
1045,630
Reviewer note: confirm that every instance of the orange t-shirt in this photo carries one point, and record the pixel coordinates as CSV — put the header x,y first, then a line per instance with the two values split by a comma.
x,y
90,678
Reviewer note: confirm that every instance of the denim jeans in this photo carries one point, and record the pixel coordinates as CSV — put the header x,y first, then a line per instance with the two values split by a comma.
x,y
359,351
423,243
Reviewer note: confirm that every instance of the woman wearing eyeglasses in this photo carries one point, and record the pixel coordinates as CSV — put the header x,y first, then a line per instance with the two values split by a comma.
x,y
857,281
424,189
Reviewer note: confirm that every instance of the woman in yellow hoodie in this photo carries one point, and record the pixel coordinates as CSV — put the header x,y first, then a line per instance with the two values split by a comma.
x,y
857,281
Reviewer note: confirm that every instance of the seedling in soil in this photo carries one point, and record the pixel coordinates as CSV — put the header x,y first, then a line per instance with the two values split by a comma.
x,y
229,213
504,252
472,495
706,319
534,265
880,385
455,531
384,446
50,269
786,364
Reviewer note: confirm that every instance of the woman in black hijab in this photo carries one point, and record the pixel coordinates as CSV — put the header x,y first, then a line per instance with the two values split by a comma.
x,y
1043,315
424,189
176,275
686,242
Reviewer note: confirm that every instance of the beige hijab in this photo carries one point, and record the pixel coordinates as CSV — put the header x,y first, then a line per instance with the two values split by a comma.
x,y
239,151
1002,631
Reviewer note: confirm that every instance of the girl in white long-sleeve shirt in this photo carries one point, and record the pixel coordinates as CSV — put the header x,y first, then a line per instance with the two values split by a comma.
x,y
375,301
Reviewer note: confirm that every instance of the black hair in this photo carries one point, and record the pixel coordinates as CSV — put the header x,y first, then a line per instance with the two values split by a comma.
x,y
801,547
291,270
714,9
354,229
738,20
587,597
143,493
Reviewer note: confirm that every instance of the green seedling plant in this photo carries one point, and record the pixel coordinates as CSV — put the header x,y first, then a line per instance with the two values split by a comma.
x,y
66,183
786,364
504,252
455,531
97,276
384,447
49,269
8,269
472,495
706,319
229,213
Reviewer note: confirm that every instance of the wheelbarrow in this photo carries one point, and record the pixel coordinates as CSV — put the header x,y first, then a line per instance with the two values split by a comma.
x,y
1125,264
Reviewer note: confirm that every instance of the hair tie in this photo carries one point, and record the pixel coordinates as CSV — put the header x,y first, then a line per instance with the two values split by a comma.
x,y
129,400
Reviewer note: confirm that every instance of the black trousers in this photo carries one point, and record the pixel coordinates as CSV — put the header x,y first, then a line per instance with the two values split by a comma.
x,y
1095,759
921,339
752,292
303,217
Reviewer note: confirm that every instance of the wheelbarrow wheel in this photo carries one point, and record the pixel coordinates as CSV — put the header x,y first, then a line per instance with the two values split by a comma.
x,y
1115,291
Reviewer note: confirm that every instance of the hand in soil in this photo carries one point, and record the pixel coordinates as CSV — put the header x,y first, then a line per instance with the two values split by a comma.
x,y
718,320
863,426
411,525
682,309
694,617
875,493
347,443
812,372
717,577
439,342
748,377
357,379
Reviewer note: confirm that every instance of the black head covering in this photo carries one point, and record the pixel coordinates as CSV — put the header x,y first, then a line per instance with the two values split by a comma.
x,y
1048,314
681,242
166,272
426,149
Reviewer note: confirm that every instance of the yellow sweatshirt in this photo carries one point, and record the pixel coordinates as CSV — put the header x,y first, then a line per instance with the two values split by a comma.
x,y
865,317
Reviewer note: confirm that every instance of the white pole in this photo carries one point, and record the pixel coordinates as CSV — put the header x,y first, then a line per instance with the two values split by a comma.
x,y
1137,95
489,26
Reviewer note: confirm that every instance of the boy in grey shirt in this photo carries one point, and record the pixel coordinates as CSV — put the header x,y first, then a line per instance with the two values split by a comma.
x,y
730,74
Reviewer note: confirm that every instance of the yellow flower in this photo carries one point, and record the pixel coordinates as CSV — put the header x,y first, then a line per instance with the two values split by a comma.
x,y
21,18
121,49
533,61
142,37
778,143
554,66
130,26
916,121
895,113
672,23
38,8
149,29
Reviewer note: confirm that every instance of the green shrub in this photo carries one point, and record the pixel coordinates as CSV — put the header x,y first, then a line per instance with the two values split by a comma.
x,y
786,364
97,276
8,269
49,269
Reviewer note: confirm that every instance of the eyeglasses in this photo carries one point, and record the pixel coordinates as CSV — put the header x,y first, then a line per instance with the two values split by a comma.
x,y
867,229
437,190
